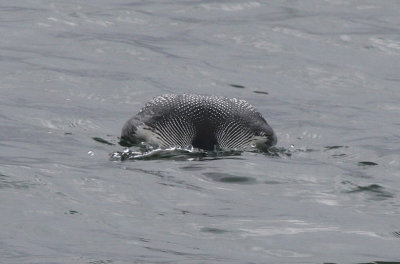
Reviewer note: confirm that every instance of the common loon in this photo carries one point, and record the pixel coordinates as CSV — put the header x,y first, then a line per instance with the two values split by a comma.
x,y
201,121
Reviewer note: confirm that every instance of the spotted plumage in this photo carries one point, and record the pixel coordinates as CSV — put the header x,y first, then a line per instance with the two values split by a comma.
x,y
205,122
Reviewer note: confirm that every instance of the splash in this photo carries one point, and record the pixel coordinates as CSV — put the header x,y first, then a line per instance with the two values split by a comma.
x,y
147,152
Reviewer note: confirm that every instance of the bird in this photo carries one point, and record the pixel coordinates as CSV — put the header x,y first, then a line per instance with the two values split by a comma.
x,y
206,122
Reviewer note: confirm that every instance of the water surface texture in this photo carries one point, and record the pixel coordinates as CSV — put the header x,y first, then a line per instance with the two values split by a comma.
x,y
325,74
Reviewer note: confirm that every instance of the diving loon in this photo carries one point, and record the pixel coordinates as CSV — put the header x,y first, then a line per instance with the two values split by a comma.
x,y
201,121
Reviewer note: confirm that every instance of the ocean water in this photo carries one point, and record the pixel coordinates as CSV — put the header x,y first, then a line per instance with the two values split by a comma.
x,y
325,74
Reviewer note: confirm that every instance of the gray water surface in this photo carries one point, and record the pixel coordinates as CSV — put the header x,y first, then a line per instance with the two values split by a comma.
x,y
325,74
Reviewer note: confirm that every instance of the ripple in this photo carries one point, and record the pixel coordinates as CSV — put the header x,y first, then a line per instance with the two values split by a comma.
x,y
376,190
339,155
101,261
231,7
396,234
260,92
80,124
157,154
229,178
167,180
72,212
237,86
280,152
367,163
213,230
192,168
380,262
286,152
335,147
144,151
148,153
6,182
101,140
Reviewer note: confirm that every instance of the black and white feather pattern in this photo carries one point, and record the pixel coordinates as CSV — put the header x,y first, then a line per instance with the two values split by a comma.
x,y
206,122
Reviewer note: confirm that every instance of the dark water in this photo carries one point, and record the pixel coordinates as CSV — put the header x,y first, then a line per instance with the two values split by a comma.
x,y
325,74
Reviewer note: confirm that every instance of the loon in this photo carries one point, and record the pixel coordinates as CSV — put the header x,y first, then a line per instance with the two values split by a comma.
x,y
199,121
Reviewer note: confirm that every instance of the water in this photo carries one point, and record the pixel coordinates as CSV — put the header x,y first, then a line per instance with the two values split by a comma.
x,y
325,74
